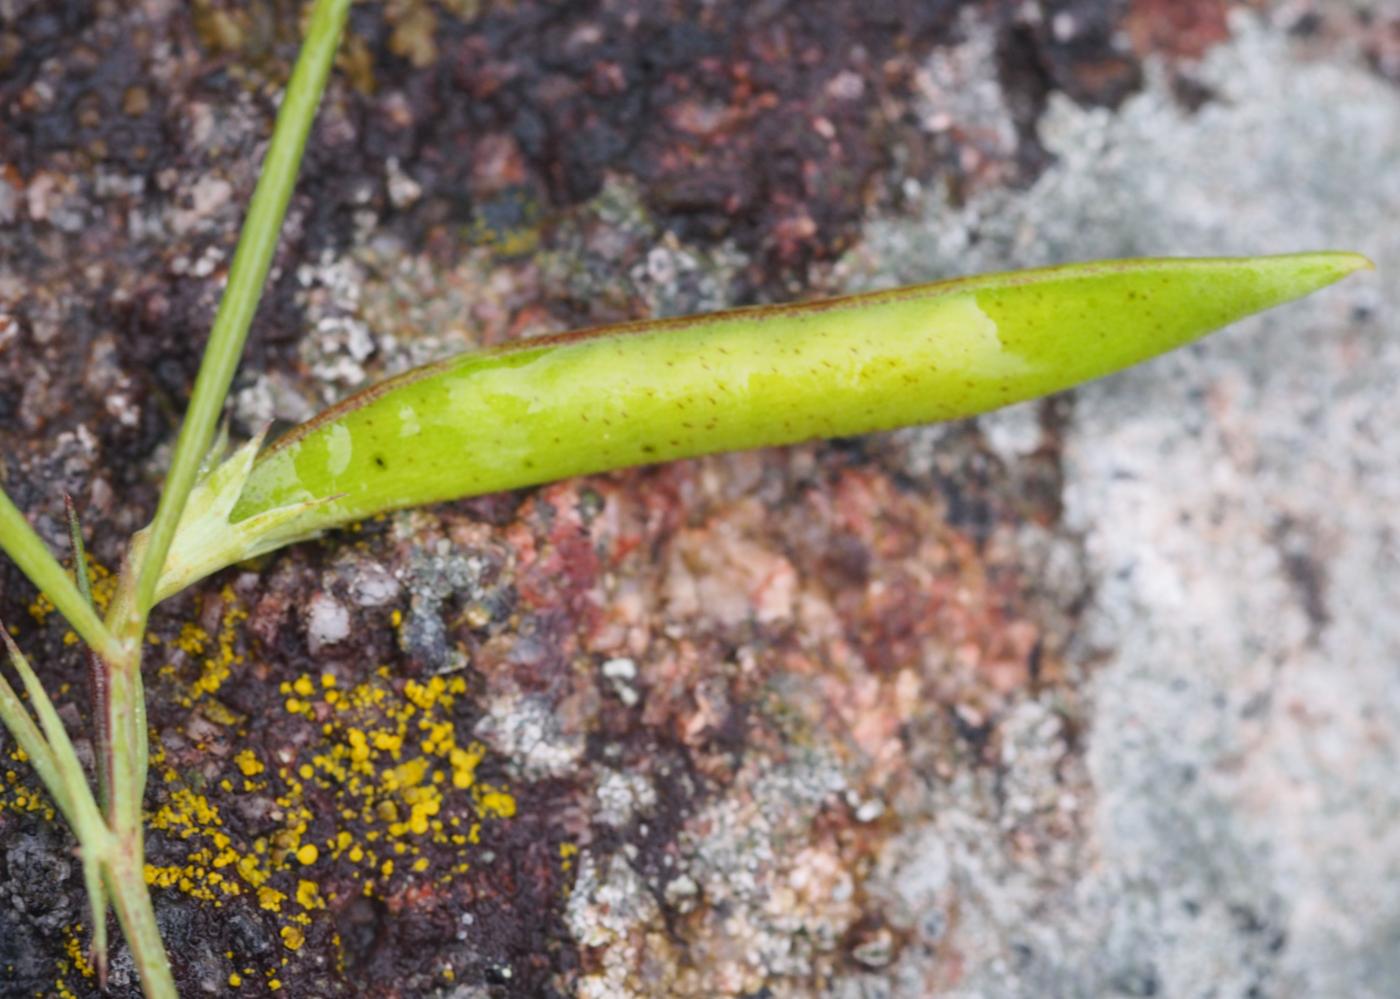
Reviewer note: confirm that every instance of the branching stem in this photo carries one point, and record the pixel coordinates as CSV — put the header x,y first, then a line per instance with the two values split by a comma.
x,y
112,844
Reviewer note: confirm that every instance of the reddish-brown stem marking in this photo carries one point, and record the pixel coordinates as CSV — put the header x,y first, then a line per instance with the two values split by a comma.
x,y
99,673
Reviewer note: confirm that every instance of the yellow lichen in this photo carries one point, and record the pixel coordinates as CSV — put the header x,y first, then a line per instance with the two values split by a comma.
x,y
309,896
379,789
73,947
494,803
217,655
17,796
292,938
248,763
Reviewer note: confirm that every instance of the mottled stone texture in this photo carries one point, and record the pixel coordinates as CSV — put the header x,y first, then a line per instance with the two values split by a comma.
x,y
1096,696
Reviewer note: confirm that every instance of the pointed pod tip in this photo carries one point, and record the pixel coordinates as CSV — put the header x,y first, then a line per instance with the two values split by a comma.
x,y
1346,262
1293,275
1337,262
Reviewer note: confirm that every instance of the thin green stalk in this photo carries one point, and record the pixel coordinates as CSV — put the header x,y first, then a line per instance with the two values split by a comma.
x,y
125,707
35,747
77,801
56,762
75,538
35,560
113,848
126,880
126,725
97,906
247,276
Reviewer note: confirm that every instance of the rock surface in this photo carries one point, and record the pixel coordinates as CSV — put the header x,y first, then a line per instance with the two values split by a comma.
x,y
1096,696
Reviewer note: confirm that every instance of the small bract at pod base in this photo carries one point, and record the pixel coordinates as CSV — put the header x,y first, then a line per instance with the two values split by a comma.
x,y
546,409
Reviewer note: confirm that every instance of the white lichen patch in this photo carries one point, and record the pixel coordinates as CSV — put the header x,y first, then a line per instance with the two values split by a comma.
x,y
272,395
609,909
327,622
522,728
1238,504
958,87
621,797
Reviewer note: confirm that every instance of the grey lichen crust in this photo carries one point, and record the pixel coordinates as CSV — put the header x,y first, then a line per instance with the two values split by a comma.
x,y
1238,505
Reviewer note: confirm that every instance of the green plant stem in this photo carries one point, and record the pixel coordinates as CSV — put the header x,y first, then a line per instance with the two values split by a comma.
x,y
54,759
126,725
126,882
76,797
32,742
112,846
123,866
96,887
247,275
35,560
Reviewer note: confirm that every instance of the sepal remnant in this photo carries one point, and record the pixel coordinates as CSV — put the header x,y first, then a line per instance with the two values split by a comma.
x,y
207,540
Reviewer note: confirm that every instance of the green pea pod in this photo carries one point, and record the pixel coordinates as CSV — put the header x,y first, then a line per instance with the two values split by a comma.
x,y
644,392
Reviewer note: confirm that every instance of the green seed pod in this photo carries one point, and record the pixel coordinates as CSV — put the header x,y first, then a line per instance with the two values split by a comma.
x,y
645,392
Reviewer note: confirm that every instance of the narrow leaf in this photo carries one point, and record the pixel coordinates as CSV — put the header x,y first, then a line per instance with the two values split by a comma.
x,y
82,812
57,765
99,700
97,904
30,553
75,538
31,740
